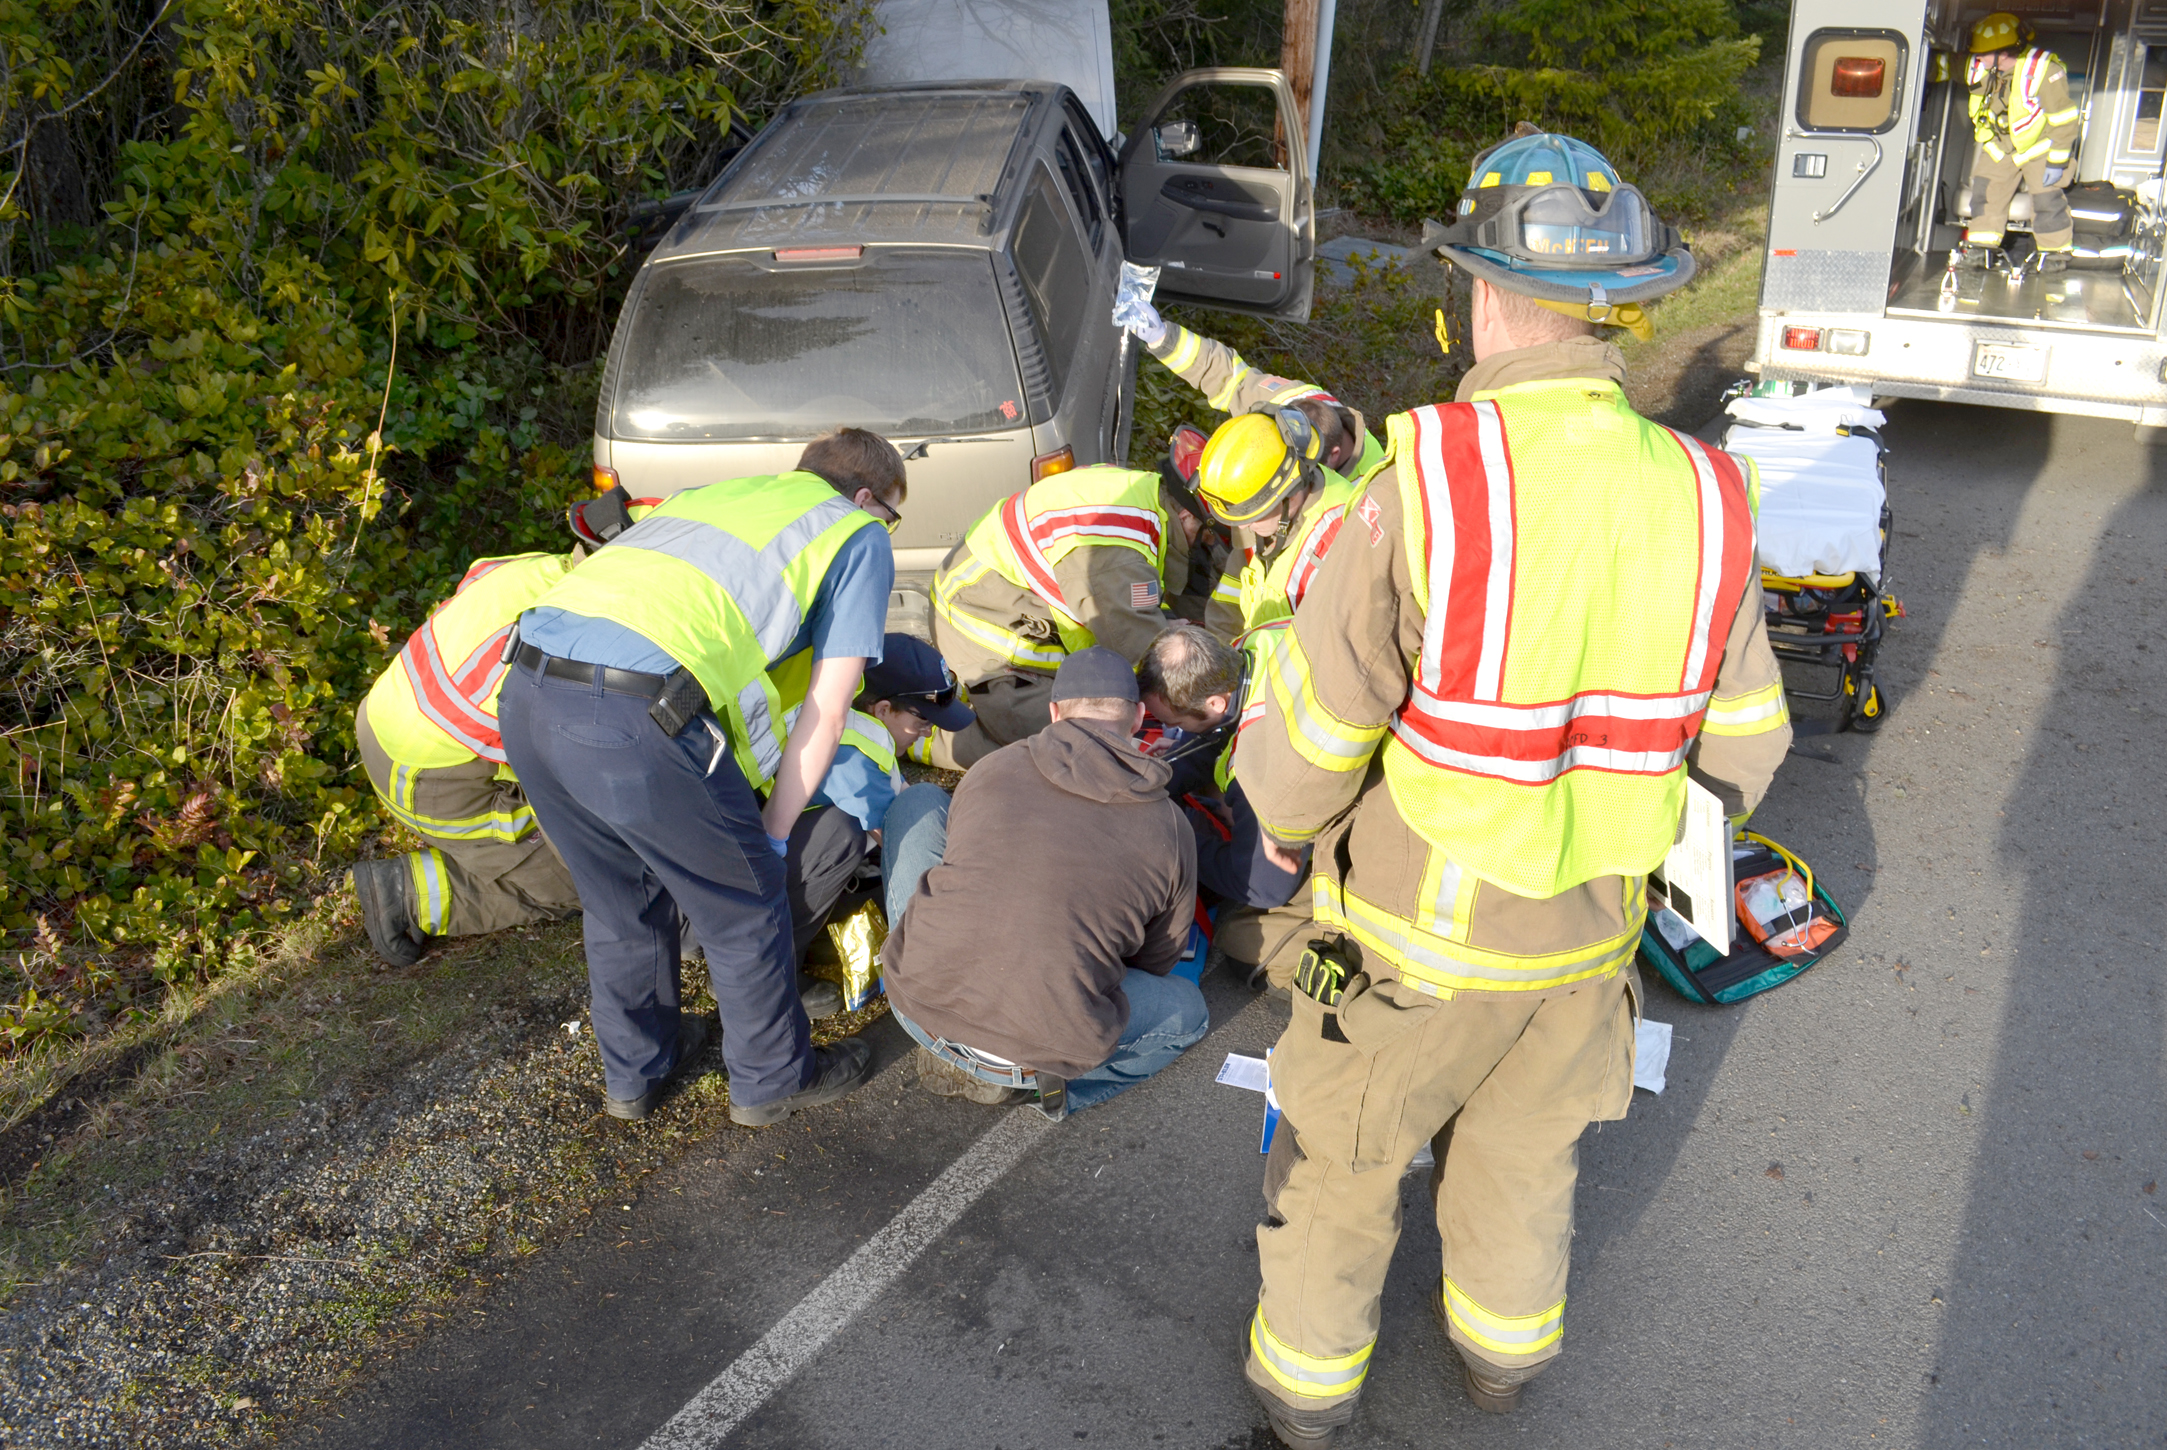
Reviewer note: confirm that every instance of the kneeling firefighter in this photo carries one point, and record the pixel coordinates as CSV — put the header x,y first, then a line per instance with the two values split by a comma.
x,y
1542,612
2026,127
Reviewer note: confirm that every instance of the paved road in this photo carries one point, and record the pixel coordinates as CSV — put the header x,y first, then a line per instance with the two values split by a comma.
x,y
1906,1200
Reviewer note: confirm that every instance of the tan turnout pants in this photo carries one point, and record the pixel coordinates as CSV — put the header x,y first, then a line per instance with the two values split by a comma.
x,y
1505,1088
487,865
1009,707
1995,183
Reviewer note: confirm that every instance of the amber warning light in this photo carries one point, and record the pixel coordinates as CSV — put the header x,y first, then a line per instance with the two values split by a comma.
x,y
1858,75
818,254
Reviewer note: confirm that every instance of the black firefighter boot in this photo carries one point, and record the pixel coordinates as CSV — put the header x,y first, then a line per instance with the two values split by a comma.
x,y
386,893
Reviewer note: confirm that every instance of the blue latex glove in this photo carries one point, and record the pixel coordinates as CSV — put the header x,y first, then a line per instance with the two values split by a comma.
x,y
781,845
2056,174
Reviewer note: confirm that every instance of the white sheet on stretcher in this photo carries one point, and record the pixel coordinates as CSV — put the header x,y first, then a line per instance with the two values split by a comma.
x,y
1821,493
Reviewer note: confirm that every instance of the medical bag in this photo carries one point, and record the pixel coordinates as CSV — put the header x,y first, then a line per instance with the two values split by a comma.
x,y
1787,921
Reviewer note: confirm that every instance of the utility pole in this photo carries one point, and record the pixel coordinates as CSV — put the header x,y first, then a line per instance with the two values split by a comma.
x,y
1298,51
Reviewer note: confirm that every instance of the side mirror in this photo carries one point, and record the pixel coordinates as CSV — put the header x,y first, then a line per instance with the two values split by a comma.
x,y
1176,139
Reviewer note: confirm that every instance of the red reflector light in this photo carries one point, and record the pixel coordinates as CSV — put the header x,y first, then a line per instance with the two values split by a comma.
x,y
605,479
1858,75
818,254
1802,339
1046,465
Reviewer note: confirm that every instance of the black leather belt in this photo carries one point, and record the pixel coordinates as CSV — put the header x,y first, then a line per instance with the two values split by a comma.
x,y
622,682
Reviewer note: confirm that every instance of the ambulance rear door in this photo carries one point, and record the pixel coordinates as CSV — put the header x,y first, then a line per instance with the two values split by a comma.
x,y
1847,163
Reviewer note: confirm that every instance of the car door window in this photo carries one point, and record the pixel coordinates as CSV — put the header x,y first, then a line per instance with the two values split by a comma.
x,y
1083,190
1095,154
1056,274
1235,126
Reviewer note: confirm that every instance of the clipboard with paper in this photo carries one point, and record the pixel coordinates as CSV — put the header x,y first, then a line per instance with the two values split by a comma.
x,y
1694,880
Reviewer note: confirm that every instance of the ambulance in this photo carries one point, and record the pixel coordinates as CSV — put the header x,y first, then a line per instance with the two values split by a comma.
x,y
1872,187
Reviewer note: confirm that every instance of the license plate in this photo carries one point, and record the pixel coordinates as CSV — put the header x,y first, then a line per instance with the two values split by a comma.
x,y
2010,362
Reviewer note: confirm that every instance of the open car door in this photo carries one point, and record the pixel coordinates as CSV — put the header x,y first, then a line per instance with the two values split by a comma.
x,y
1216,191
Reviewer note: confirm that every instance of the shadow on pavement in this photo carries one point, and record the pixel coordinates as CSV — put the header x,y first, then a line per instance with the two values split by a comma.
x,y
2048,1334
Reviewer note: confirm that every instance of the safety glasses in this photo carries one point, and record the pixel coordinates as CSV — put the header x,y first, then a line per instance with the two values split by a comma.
x,y
1561,226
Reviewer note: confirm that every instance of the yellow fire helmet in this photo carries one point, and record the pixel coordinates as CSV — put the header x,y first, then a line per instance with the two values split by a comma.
x,y
1998,31
1253,462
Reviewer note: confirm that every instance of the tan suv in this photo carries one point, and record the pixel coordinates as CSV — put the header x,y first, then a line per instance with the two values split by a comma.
x,y
937,263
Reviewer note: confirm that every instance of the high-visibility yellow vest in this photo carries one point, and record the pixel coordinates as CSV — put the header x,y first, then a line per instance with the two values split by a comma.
x,y
1578,568
437,704
2028,118
1024,536
721,578
1273,591
861,732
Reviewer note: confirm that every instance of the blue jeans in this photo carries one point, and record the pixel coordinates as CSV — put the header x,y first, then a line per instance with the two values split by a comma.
x,y
1237,869
1167,1015
648,830
913,838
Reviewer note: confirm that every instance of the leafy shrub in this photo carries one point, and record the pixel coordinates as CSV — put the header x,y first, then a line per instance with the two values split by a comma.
x,y
299,307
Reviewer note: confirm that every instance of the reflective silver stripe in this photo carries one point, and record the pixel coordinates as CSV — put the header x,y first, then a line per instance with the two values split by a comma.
x,y
1430,474
1315,731
1397,936
1524,1333
760,741
1329,1382
1542,772
1745,715
754,579
1711,562
1448,892
1497,603
1553,717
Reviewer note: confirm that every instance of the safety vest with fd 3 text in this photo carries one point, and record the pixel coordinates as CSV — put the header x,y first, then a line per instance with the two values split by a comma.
x,y
1578,568
437,706
2037,81
1027,534
721,578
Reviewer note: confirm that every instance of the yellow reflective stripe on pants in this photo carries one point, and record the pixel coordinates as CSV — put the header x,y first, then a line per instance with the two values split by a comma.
x,y
1753,713
1306,1374
1504,1337
432,889
489,825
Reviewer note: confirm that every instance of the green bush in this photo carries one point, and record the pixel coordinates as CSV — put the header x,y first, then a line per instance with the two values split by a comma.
x,y
298,316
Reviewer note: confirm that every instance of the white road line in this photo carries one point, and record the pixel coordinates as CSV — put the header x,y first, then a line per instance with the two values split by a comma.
x,y
732,1396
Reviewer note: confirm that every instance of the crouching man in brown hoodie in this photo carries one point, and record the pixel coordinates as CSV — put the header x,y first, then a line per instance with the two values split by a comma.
x,y
1038,917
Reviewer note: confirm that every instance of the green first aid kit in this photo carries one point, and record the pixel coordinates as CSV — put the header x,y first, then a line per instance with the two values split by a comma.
x,y
1787,922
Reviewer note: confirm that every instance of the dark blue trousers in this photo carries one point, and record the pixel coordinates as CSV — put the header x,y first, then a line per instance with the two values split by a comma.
x,y
1234,868
648,832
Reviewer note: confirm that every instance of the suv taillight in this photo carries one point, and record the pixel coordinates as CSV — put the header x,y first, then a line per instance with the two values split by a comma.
x,y
1046,465
605,479
1802,339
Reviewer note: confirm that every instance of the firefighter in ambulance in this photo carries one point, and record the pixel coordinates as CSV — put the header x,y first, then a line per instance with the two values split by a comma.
x,y
2026,128
429,742
1082,558
1540,616
1337,447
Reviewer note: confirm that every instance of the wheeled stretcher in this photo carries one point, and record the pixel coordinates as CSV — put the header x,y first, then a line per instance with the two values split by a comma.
x,y
1823,525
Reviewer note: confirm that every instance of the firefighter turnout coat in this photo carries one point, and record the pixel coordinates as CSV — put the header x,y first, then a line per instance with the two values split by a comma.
x,y
1260,573
1539,616
2023,114
428,737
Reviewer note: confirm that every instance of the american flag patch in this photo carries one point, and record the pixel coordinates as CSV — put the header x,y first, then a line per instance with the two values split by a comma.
x,y
1368,514
1144,596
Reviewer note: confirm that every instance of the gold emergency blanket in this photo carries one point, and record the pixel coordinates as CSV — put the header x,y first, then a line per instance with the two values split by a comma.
x,y
849,954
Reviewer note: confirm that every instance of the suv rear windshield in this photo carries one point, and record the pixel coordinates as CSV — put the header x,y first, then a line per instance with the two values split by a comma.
x,y
911,341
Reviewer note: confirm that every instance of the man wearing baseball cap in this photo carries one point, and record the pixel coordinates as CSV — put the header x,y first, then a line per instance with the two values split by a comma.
x,y
1034,930
907,695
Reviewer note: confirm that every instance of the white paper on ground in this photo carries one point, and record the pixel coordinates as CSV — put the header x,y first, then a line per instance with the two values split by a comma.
x,y
1651,1054
1242,1072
